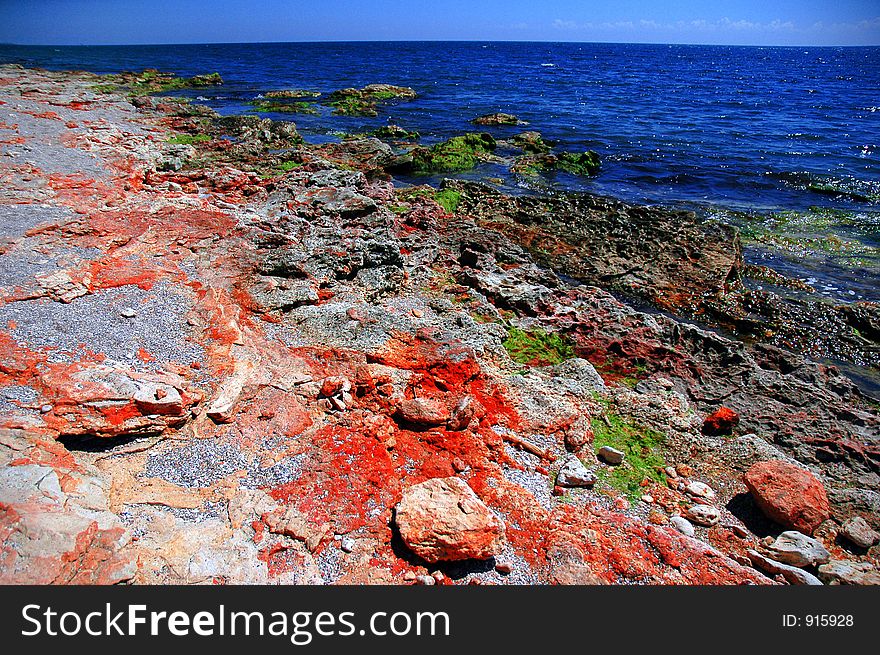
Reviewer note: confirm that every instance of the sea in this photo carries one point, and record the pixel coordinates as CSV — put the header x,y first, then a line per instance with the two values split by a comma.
x,y
783,142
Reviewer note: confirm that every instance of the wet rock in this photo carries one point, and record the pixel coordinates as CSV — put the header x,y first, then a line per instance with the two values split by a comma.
x,y
574,474
610,455
460,153
788,494
531,142
364,101
721,421
498,118
704,515
797,549
682,525
857,531
442,519
650,262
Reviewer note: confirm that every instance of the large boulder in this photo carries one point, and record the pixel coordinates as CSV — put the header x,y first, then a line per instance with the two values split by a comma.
x,y
789,495
443,520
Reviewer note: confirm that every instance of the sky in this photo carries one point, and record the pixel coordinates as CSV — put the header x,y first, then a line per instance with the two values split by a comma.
x,y
737,22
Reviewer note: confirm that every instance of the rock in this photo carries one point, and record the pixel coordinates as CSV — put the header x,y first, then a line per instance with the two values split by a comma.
x,y
442,519
721,421
610,455
461,415
797,549
682,525
498,118
858,532
705,515
426,580
347,544
647,498
504,568
459,153
788,494
423,412
792,574
574,474
128,312
700,490
838,572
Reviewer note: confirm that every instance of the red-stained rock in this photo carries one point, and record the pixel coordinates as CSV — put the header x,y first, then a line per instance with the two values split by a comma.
x,y
423,412
721,421
443,520
788,494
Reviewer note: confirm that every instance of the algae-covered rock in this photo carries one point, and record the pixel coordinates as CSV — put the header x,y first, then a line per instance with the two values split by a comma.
x,y
583,163
363,102
153,81
460,153
498,118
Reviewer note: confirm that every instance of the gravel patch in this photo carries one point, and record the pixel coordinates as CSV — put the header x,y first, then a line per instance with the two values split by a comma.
x,y
96,321
15,220
195,463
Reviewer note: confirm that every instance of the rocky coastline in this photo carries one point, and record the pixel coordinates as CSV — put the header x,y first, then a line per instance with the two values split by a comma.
x,y
229,356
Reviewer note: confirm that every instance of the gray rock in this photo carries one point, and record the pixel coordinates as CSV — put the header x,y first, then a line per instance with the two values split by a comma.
x,y
610,455
797,549
839,572
705,515
792,574
574,474
682,525
857,530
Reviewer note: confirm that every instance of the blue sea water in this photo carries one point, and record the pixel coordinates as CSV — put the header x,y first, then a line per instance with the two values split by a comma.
x,y
735,133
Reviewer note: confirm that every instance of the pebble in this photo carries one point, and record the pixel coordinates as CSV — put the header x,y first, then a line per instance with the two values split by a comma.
x,y
700,490
438,576
45,409
670,471
610,455
574,474
128,312
347,544
409,576
705,515
503,567
418,313
648,498
682,525
425,580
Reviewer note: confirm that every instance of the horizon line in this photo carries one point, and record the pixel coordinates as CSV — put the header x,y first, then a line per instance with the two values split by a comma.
x,y
313,41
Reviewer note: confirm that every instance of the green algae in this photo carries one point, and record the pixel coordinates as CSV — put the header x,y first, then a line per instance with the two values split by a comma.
x,y
448,199
640,444
267,107
537,347
189,139
460,153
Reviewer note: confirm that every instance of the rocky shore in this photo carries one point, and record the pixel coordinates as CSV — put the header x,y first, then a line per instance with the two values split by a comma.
x,y
229,356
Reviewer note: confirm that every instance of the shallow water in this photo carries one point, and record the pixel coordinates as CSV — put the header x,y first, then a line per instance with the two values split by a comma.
x,y
735,133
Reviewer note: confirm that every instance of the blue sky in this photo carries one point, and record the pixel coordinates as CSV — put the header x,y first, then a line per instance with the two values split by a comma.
x,y
739,22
